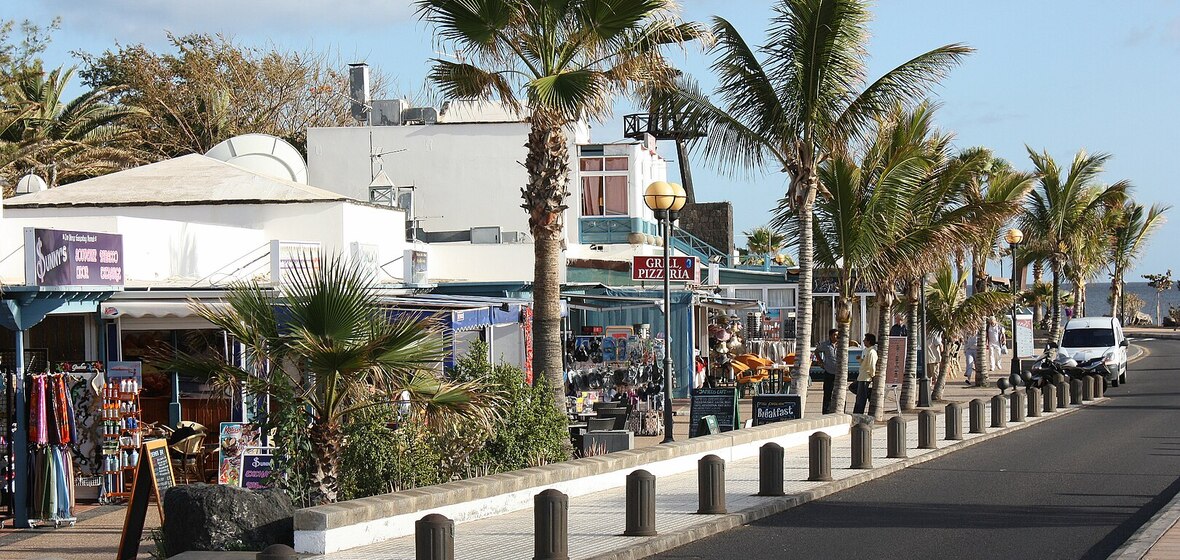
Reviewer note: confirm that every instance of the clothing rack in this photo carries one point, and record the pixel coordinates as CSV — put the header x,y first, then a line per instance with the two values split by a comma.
x,y
51,466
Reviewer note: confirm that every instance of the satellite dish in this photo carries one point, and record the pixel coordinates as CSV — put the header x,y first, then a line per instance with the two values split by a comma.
x,y
30,184
264,154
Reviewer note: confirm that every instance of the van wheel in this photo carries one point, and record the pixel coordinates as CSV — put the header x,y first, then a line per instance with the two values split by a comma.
x,y
1123,377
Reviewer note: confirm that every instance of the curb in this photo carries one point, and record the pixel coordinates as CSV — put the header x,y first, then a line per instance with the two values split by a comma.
x,y
665,542
1150,533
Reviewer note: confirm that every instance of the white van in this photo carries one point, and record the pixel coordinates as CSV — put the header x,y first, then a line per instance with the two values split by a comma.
x,y
1087,338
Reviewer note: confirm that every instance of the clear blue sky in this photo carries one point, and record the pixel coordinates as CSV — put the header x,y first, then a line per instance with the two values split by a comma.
x,y
1059,75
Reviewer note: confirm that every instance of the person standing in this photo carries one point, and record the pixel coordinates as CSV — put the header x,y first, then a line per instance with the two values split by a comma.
x,y
996,342
933,353
899,327
970,344
868,368
825,354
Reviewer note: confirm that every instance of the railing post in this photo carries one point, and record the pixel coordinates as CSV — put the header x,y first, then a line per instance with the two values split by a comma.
x,y
641,504
819,457
862,446
711,484
770,470
551,525
434,538
896,438
954,421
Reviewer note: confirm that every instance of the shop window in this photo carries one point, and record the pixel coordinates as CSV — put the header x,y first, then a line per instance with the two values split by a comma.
x,y
150,346
62,336
780,298
604,196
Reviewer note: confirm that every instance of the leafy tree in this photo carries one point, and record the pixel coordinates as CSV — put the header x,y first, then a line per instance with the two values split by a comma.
x,y
790,103
1161,283
764,243
1064,209
324,344
562,61
25,54
1133,224
211,89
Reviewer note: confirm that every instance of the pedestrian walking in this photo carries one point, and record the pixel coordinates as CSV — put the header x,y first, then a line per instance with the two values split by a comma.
x,y
933,353
970,345
868,368
997,343
825,354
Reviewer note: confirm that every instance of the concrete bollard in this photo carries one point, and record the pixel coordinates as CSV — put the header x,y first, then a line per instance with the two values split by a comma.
x,y
1049,399
1063,395
975,413
819,457
999,414
1099,387
711,484
896,438
1075,391
954,421
862,446
770,470
1034,402
283,552
551,510
641,504
927,436
1087,388
1017,406
434,538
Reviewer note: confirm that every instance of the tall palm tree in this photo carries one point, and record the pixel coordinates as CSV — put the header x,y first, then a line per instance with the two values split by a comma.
x,y
1133,225
1062,210
325,343
787,104
950,310
563,60
65,140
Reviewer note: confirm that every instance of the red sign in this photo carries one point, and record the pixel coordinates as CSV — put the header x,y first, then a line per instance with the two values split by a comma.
x,y
681,269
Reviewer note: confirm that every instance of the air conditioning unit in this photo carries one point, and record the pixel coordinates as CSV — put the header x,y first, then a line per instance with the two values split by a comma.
x,y
388,112
420,115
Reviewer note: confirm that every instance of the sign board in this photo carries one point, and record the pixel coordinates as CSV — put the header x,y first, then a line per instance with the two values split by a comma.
x,y
73,258
234,438
414,267
1024,337
256,467
126,370
153,475
721,403
895,361
769,409
708,426
680,269
285,256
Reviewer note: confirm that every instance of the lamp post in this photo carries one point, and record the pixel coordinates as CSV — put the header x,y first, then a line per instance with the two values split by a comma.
x,y
665,200
1014,237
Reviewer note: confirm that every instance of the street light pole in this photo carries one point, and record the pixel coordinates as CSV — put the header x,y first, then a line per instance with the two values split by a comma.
x,y
665,199
1014,237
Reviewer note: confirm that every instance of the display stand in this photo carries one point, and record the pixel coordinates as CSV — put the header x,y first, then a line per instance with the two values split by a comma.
x,y
121,439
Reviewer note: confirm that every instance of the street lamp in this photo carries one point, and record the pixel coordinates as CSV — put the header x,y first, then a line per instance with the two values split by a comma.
x,y
1014,237
665,200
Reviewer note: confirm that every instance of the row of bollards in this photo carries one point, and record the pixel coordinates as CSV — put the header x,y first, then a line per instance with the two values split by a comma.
x,y
434,537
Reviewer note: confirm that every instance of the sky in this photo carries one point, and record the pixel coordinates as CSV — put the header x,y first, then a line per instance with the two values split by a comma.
x,y
1055,75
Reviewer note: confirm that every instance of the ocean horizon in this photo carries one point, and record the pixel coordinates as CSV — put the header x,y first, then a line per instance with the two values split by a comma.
x,y
1098,292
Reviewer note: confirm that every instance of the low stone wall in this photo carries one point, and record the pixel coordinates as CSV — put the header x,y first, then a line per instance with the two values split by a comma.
x,y
354,523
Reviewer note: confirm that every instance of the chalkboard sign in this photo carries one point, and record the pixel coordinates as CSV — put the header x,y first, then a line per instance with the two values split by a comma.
x,y
153,474
721,403
776,408
708,426
255,470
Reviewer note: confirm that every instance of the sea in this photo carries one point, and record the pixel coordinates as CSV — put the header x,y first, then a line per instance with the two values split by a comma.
x,y
1097,292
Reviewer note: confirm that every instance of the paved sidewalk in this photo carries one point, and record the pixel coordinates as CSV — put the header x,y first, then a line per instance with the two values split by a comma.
x,y
596,521
95,537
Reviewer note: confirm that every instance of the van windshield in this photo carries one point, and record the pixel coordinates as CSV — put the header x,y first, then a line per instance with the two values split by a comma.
x,y
1088,338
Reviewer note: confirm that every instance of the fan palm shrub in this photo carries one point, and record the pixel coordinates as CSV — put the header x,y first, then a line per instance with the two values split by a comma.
x,y
1133,224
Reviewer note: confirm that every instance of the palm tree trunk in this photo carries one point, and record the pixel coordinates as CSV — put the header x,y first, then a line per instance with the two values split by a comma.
x,y
1055,308
685,172
1038,272
909,383
840,393
806,274
980,283
884,305
325,438
548,174
940,382
982,356
1116,295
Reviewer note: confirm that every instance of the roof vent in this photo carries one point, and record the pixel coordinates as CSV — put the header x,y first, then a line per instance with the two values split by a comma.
x,y
30,184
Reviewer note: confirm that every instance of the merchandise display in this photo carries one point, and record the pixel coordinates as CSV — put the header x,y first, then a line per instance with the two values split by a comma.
x,y
121,438
51,431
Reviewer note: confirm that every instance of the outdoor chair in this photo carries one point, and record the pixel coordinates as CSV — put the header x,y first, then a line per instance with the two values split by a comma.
x,y
186,456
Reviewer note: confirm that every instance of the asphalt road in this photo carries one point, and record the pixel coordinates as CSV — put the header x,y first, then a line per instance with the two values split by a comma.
x,y
1073,487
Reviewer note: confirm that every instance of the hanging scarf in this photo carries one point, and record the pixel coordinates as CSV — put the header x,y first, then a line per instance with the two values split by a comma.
x,y
38,422
63,417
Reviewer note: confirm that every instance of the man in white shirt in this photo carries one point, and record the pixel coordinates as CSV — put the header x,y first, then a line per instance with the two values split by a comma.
x,y
995,341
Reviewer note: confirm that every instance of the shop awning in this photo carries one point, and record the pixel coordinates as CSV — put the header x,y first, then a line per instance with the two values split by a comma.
x,y
152,308
460,313
610,303
729,304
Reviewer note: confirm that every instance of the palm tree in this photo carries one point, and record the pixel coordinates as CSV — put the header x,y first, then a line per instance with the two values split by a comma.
x,y
788,104
1133,225
950,310
763,244
65,140
563,61
325,343
1064,209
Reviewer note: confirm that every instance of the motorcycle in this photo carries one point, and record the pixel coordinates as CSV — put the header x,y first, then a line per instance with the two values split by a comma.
x,y
1053,369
